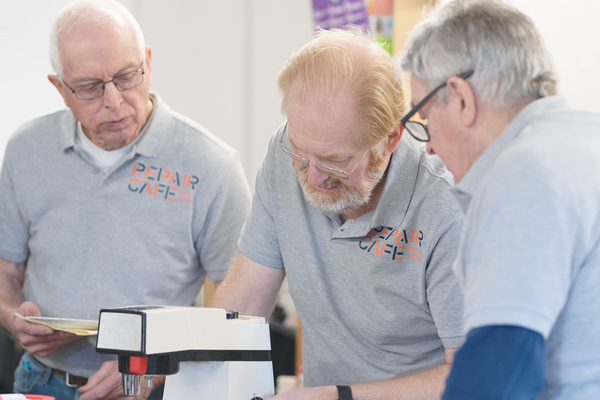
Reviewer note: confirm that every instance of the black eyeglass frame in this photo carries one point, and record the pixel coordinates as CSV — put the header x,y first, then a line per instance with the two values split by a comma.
x,y
74,90
422,103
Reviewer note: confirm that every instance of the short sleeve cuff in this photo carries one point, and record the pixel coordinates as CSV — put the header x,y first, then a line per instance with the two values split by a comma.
x,y
12,256
216,276
257,256
453,342
508,316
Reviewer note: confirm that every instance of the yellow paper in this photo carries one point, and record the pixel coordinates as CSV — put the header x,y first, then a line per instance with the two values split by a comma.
x,y
80,327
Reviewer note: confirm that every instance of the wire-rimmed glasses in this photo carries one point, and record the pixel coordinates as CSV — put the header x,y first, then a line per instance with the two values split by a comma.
x,y
93,90
333,172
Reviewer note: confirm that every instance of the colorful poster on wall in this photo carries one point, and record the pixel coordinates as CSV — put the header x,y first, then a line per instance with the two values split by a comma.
x,y
337,13
381,20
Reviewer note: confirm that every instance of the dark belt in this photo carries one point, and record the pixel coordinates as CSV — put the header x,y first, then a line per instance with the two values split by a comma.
x,y
70,380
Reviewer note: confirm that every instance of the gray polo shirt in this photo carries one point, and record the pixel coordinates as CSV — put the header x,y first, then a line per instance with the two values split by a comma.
x,y
147,231
529,252
376,295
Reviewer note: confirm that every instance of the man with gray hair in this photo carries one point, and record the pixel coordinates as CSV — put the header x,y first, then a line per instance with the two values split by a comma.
x,y
116,201
362,223
529,256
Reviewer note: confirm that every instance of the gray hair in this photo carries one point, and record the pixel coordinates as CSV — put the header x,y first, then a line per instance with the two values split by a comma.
x,y
85,12
495,40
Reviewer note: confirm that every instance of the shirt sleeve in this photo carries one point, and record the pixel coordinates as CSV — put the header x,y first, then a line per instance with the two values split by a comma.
x,y
258,240
217,238
518,248
498,362
14,233
443,292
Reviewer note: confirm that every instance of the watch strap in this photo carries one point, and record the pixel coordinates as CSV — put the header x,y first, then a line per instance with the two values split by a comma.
x,y
344,392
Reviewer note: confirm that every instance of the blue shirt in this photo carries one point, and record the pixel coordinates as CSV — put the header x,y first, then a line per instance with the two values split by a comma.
x,y
529,253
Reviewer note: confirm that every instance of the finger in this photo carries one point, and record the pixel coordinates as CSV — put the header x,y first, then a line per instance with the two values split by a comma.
x,y
23,327
105,389
55,339
95,379
28,309
43,346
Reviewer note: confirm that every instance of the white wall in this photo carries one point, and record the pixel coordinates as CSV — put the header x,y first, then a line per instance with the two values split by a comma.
x,y
571,30
25,91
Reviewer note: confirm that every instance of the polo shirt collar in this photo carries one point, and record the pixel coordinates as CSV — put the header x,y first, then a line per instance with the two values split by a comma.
x,y
149,145
158,129
466,188
396,196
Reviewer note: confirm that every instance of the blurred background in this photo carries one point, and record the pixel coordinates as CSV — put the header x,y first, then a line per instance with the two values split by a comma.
x,y
217,62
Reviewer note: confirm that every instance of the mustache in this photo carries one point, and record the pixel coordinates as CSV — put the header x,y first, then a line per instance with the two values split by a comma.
x,y
346,198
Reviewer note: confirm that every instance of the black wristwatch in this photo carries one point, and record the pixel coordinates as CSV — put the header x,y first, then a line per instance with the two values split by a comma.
x,y
344,392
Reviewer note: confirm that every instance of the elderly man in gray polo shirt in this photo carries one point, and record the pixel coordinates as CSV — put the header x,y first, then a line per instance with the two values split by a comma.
x,y
117,200
527,169
363,224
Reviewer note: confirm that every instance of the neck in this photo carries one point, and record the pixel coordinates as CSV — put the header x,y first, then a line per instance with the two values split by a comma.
x,y
491,123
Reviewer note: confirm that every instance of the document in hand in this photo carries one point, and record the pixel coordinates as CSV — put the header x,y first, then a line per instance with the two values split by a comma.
x,y
80,327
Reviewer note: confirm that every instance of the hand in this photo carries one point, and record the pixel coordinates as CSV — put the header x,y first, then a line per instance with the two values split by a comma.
x,y
39,340
308,393
107,384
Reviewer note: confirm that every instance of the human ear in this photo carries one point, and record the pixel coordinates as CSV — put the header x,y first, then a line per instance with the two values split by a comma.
x,y
148,63
393,140
149,58
463,96
58,84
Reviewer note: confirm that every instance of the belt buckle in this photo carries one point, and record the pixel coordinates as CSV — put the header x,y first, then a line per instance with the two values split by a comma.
x,y
67,380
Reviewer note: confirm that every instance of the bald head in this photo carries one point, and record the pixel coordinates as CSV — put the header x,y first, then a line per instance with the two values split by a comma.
x,y
340,67
83,14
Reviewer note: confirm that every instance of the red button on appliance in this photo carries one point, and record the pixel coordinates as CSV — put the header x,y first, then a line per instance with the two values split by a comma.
x,y
138,365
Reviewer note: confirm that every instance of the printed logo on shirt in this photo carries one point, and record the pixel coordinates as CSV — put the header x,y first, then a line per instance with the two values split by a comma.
x,y
162,183
397,244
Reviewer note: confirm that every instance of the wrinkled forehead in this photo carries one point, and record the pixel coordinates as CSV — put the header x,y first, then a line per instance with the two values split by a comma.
x,y
320,127
103,44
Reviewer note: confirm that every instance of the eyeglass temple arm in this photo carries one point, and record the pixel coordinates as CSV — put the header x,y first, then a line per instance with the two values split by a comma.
x,y
416,108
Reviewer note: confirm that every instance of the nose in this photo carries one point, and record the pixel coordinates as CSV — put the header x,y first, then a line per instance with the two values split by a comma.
x,y
315,177
429,149
112,96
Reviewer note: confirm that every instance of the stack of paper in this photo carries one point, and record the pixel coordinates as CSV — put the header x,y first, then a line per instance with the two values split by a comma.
x,y
80,327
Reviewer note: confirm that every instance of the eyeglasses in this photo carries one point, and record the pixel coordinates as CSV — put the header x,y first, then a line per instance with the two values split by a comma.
x,y
417,129
333,172
91,91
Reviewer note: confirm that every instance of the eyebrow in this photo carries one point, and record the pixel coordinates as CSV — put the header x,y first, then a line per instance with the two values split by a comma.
x,y
130,65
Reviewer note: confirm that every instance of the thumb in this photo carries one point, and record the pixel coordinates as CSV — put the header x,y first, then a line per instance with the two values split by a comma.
x,y
28,309
100,375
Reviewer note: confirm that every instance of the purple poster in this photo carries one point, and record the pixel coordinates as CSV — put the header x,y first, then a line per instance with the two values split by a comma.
x,y
337,13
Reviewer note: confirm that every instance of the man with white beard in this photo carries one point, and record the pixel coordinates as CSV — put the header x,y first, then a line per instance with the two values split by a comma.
x,y
363,224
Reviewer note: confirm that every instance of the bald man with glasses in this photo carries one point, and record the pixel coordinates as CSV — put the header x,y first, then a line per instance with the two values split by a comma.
x,y
362,223
117,200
